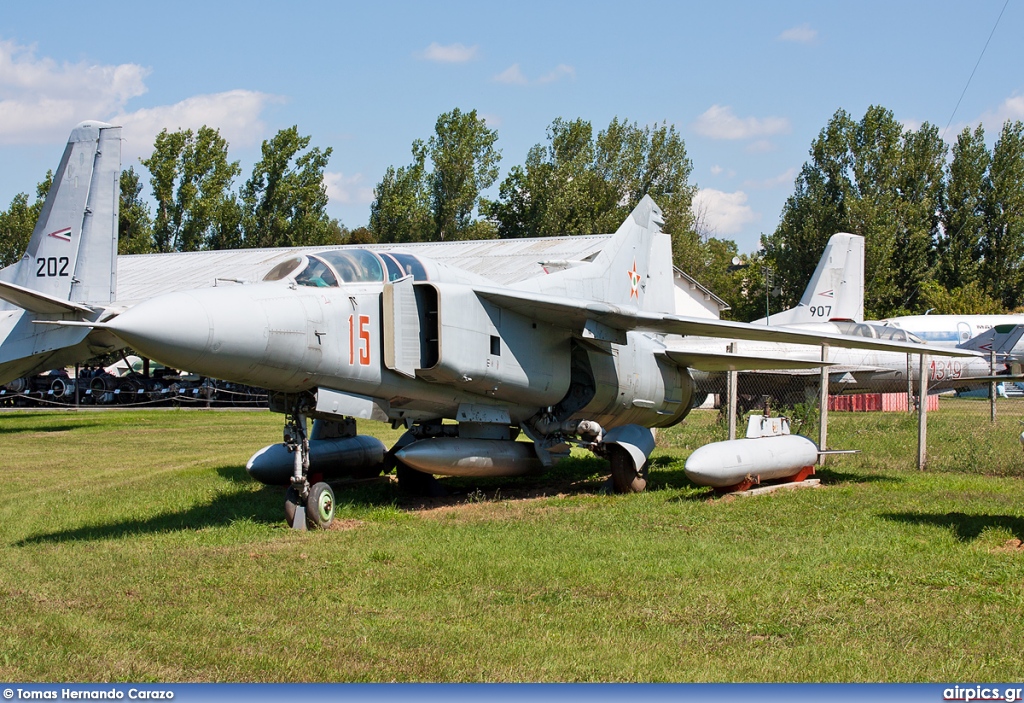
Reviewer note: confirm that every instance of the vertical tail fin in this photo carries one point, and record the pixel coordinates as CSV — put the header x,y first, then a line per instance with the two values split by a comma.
x,y
836,290
626,271
73,251
1002,339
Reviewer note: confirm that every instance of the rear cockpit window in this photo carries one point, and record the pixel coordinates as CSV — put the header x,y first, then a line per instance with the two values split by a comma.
x,y
410,266
355,265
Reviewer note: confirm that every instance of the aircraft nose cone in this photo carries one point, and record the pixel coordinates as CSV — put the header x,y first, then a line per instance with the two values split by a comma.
x,y
174,329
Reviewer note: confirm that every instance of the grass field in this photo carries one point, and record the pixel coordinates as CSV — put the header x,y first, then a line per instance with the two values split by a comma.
x,y
134,548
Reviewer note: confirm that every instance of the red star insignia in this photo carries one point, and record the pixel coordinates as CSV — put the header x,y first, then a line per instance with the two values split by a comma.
x,y
634,282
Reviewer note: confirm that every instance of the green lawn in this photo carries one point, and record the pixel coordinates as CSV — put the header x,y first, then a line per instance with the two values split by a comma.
x,y
133,547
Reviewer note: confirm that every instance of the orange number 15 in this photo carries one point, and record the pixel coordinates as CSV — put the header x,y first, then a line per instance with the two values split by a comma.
x,y
364,340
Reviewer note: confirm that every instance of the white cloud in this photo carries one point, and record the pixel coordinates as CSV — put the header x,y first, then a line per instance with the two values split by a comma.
x,y
724,214
347,190
561,71
801,34
992,120
452,53
785,178
1011,109
493,121
719,122
236,113
761,146
512,76
40,100
717,170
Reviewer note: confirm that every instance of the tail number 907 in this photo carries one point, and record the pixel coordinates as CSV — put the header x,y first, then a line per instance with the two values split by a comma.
x,y
52,266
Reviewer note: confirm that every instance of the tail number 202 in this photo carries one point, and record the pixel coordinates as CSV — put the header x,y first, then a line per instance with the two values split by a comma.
x,y
52,266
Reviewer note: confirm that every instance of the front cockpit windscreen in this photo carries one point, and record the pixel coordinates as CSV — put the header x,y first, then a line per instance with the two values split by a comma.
x,y
328,269
317,274
285,268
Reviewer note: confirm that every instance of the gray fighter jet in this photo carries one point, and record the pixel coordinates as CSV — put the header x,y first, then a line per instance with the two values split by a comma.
x,y
67,273
572,358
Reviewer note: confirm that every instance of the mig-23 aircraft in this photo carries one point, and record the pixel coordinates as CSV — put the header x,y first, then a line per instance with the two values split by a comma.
x,y
68,270
576,357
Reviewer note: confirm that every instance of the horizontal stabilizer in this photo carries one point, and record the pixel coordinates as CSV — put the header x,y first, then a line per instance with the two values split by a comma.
x,y
716,361
39,303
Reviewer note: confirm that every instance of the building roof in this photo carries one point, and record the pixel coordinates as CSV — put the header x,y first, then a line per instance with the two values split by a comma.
x,y
504,261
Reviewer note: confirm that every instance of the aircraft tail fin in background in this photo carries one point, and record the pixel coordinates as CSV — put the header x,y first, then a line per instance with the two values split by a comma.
x,y
634,269
68,272
72,254
1001,339
836,290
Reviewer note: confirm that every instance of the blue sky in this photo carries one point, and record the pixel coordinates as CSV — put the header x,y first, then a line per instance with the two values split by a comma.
x,y
748,84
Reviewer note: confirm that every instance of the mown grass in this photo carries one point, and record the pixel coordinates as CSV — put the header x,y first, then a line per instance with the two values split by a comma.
x,y
133,547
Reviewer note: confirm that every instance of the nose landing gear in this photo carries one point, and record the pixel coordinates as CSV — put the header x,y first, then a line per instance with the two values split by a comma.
x,y
305,506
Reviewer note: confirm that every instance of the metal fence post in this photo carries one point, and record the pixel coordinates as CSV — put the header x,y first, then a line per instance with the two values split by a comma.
x,y
922,414
732,391
823,405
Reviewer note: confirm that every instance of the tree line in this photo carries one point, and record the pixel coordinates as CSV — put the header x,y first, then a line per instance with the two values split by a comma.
x,y
943,231
283,203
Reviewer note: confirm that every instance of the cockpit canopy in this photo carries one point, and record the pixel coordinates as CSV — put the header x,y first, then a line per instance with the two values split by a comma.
x,y
329,269
863,329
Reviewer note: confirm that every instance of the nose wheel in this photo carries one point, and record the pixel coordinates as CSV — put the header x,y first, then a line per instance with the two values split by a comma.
x,y
314,512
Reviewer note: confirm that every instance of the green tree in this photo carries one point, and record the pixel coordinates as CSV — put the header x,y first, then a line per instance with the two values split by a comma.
x,y
558,190
970,299
285,199
1002,247
872,178
581,185
400,211
414,204
465,163
134,225
963,212
18,221
191,178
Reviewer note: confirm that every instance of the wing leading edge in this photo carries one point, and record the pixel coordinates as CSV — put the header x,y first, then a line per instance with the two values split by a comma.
x,y
584,317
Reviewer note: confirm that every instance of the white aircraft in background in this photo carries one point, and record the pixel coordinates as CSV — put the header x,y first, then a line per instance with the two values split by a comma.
x,y
950,330
833,303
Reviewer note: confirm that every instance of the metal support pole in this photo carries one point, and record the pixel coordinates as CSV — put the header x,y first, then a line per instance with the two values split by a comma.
x,y
910,384
922,414
78,380
732,392
823,406
992,387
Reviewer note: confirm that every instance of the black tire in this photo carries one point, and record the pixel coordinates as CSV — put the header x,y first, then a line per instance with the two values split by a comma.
x,y
291,502
320,506
626,479
418,483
